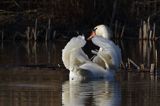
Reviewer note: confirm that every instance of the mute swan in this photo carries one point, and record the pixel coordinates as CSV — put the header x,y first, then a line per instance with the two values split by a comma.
x,y
102,66
109,54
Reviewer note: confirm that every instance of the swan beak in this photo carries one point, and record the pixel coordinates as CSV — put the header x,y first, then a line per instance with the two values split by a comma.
x,y
93,34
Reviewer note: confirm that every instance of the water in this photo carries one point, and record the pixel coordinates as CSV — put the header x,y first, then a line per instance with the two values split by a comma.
x,y
93,93
32,74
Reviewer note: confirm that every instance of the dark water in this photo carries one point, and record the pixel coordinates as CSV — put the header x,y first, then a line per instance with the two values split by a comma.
x,y
26,78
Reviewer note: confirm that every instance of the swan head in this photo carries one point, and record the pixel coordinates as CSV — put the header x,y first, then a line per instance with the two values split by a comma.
x,y
101,30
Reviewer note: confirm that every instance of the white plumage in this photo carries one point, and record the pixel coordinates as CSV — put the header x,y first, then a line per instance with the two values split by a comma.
x,y
105,63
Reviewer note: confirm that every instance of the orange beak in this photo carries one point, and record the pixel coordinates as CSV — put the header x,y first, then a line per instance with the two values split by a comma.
x,y
93,34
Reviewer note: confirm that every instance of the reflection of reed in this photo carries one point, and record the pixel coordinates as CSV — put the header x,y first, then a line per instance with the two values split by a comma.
x,y
32,53
27,97
20,87
35,52
139,89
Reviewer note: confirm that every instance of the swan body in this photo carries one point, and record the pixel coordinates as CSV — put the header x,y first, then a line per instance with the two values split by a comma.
x,y
104,64
109,53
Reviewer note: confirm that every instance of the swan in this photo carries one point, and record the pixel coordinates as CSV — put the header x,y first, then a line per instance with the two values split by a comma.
x,y
109,54
105,63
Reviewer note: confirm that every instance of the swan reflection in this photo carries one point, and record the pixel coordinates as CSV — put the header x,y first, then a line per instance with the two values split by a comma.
x,y
88,93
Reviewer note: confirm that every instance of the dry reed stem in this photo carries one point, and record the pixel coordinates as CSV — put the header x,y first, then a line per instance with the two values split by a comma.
x,y
156,59
116,28
154,31
140,33
133,63
28,33
144,30
113,12
142,67
54,34
48,30
35,30
148,24
152,68
150,34
122,32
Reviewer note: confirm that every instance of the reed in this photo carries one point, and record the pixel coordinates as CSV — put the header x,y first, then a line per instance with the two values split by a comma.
x,y
35,30
122,32
2,36
156,59
147,30
118,30
48,30
154,31
142,67
84,14
140,33
152,68
54,34
28,33
133,63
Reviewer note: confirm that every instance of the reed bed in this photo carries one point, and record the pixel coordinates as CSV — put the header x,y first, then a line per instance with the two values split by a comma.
x,y
130,65
147,31
41,17
151,67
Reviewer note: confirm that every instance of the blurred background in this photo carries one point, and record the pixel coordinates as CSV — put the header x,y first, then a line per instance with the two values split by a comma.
x,y
122,16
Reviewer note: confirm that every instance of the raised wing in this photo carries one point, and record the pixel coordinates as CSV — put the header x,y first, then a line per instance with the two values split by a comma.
x,y
108,52
72,54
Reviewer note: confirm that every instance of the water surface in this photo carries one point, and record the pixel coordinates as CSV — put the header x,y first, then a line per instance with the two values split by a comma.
x,y
32,74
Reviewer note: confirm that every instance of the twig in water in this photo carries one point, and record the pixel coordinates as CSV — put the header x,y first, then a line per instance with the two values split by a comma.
x,y
134,64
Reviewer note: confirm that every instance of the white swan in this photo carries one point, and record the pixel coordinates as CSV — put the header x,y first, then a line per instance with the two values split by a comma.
x,y
104,64
109,54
